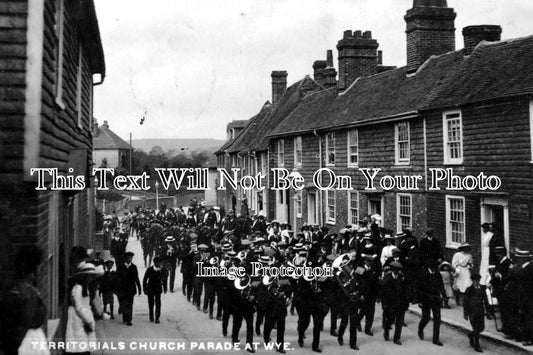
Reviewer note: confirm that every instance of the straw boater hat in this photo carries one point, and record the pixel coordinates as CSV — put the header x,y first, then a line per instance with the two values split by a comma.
x,y
170,239
85,268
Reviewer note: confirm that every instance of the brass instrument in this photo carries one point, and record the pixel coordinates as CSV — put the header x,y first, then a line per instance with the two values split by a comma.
x,y
274,285
244,285
345,276
214,260
242,255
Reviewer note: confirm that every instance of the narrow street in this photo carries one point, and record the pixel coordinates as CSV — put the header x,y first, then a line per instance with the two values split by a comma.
x,y
182,325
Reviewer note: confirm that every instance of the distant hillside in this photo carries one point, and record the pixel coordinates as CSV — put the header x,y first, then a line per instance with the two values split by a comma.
x,y
179,145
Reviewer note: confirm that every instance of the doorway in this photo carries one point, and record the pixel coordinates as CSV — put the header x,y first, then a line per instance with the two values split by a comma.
x,y
312,212
496,211
375,206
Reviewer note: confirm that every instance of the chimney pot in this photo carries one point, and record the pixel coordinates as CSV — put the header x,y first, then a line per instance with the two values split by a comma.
x,y
279,84
347,34
318,71
473,35
380,57
106,125
430,31
329,58
357,58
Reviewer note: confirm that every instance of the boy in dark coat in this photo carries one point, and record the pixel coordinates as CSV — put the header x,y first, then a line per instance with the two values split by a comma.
x,y
431,292
475,307
107,287
154,283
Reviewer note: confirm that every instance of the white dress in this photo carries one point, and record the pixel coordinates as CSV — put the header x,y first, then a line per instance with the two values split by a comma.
x,y
462,263
485,254
79,313
386,253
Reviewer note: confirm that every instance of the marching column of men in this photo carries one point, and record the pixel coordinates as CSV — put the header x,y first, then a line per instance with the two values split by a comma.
x,y
370,266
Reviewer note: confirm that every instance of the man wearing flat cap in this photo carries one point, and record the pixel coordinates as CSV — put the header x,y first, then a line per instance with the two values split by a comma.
x,y
395,298
431,292
128,278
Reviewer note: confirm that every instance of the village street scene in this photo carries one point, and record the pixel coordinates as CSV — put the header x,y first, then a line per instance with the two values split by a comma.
x,y
251,176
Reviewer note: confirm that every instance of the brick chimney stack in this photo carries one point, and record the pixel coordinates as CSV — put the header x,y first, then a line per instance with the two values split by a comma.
x,y
318,71
330,74
357,57
279,85
473,35
430,31
106,124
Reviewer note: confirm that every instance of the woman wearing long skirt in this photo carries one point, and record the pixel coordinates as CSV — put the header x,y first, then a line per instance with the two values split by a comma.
x,y
462,262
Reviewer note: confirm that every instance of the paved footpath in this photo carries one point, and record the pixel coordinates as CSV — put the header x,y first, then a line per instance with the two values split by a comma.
x,y
183,326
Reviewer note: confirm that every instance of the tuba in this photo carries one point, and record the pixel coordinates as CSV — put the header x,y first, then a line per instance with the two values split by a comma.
x,y
214,260
345,275
243,284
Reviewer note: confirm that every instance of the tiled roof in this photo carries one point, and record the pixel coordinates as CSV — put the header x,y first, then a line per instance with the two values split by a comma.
x,y
244,138
288,102
493,70
107,139
237,124
382,95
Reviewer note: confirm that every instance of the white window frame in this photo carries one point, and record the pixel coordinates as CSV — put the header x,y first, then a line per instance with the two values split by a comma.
x,y
298,153
281,152
79,87
351,220
445,122
399,160
531,127
351,144
59,31
331,208
399,215
330,146
449,238
298,198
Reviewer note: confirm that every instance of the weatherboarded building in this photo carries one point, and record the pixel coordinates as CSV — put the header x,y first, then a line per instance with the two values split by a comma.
x,y
467,112
51,57
109,149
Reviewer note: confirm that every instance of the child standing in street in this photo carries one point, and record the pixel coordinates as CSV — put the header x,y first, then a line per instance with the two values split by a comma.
x,y
475,307
107,288
447,280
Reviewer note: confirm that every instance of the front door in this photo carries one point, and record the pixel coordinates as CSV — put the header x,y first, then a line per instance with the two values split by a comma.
x,y
496,211
375,206
282,205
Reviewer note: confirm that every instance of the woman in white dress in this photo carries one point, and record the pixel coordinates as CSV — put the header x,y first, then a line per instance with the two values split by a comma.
x,y
80,323
462,262
386,252
486,237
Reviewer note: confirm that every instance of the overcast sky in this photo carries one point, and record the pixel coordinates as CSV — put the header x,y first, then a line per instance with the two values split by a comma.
x,y
196,65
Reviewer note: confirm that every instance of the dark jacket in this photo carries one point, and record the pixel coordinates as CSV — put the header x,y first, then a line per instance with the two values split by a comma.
x,y
128,278
475,306
431,289
430,249
155,281
395,293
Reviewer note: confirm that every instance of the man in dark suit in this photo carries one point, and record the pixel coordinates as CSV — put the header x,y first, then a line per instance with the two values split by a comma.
x,y
430,247
128,277
395,297
370,289
430,293
154,283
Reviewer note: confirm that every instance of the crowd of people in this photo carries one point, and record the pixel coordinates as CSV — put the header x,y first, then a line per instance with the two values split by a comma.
x,y
371,264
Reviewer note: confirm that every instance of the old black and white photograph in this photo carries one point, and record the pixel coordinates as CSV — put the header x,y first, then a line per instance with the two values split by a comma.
x,y
266,176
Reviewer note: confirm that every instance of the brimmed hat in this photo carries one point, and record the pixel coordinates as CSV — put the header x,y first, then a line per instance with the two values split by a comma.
x,y
226,246
157,259
520,253
429,231
129,254
298,247
443,264
203,247
170,239
464,246
85,268
265,259
232,254
388,237
485,225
